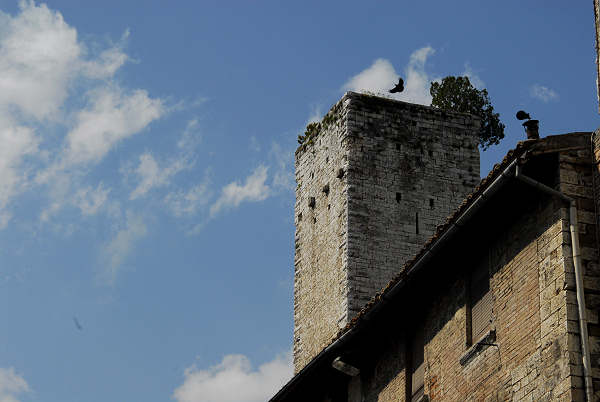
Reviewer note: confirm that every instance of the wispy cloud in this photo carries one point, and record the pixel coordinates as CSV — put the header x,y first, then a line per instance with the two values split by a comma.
x,y
121,246
16,142
473,76
381,76
111,117
543,93
89,200
46,74
191,136
189,202
223,382
151,175
233,194
284,167
11,385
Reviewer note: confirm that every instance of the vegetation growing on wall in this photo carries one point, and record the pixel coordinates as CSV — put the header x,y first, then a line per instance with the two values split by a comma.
x,y
313,129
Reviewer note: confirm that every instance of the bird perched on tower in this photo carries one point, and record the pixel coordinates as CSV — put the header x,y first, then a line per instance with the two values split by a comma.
x,y
399,86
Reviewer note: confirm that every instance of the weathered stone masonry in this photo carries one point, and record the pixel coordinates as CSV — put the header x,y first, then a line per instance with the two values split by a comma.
x,y
372,185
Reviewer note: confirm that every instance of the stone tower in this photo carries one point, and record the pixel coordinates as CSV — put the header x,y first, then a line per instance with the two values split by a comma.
x,y
374,179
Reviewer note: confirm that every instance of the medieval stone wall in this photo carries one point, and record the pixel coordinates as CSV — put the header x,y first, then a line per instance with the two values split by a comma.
x,y
374,179
409,167
531,355
536,353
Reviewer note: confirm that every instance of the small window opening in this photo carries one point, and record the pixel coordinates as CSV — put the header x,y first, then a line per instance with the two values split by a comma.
x,y
430,152
431,203
415,384
417,223
398,197
326,189
340,173
327,159
480,302
398,147
312,202
328,206
314,220
312,175
300,217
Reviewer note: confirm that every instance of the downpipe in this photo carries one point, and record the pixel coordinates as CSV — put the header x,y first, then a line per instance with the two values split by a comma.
x,y
573,227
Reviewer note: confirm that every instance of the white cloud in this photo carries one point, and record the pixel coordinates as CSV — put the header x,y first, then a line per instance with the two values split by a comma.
x,y
381,76
233,194
543,93
473,77
234,380
152,176
417,81
16,142
39,54
122,244
109,61
43,65
11,384
111,117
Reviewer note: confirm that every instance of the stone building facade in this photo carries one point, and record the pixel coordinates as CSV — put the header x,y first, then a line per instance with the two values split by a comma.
x,y
374,179
485,308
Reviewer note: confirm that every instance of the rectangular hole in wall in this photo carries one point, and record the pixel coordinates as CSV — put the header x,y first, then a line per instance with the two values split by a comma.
x,y
431,203
417,223
398,197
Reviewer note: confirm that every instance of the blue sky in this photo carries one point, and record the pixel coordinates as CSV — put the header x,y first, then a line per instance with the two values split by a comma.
x,y
146,169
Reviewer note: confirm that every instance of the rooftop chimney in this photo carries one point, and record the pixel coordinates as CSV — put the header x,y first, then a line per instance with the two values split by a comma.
x,y
532,129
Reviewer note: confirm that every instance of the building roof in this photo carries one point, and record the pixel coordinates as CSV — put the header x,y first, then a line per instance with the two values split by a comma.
x,y
549,144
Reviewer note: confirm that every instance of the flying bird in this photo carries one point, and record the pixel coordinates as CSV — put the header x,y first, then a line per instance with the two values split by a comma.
x,y
399,86
522,115
77,324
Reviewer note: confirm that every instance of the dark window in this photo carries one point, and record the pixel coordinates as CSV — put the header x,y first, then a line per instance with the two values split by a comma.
x,y
480,301
416,381
398,197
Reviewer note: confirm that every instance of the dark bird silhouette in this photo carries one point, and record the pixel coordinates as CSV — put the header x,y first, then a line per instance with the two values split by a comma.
x,y
399,86
77,324
522,115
